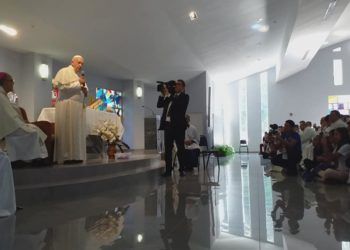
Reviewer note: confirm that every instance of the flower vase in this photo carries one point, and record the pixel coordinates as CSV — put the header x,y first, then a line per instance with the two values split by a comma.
x,y
111,151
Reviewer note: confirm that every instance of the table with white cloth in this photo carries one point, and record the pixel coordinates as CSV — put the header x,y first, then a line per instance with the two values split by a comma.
x,y
93,119
7,188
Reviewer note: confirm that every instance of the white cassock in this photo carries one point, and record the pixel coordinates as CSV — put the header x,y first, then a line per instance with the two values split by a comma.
x,y
70,121
191,134
23,141
7,188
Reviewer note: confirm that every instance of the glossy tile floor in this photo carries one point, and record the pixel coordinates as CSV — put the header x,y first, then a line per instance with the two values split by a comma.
x,y
238,207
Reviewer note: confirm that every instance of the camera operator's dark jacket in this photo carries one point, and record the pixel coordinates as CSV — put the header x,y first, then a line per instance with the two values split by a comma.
x,y
177,111
163,102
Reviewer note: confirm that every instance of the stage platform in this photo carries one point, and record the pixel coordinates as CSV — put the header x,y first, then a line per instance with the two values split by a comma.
x,y
68,181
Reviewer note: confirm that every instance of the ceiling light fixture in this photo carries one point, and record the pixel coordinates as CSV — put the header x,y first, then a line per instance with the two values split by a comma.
x,y
261,26
330,9
8,30
193,15
139,92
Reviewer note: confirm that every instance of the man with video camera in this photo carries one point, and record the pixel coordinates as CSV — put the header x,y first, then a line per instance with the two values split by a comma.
x,y
174,102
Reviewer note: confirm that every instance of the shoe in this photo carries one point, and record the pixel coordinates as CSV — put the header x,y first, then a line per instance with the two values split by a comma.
x,y
189,170
166,174
182,173
73,161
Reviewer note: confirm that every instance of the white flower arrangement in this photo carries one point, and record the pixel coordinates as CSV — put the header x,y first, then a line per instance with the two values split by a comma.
x,y
108,132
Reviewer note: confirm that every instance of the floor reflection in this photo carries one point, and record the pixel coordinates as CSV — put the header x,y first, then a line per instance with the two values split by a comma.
x,y
245,209
289,206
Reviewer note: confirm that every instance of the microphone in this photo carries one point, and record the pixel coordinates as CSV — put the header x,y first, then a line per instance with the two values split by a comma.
x,y
82,73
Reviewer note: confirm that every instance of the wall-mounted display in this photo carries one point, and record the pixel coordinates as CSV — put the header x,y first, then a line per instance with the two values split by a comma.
x,y
111,100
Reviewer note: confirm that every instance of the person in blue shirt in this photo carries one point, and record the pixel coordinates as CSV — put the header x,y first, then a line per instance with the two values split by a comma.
x,y
289,146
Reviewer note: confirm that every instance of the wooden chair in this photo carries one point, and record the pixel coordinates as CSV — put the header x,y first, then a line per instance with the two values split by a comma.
x,y
243,144
49,129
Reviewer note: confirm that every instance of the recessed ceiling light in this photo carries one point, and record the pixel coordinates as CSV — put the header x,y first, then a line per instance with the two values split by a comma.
x,y
193,15
261,26
8,30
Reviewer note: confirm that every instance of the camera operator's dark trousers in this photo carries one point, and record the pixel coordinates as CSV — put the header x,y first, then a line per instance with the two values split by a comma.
x,y
191,158
172,134
290,164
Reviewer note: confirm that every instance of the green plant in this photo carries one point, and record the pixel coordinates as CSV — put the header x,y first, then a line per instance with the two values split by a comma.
x,y
224,150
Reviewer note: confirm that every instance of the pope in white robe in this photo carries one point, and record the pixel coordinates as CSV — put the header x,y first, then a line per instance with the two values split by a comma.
x,y
23,141
70,121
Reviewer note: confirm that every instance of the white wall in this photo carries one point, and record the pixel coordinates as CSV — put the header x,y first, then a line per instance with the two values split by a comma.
x,y
305,94
151,97
134,113
35,94
197,89
227,120
28,85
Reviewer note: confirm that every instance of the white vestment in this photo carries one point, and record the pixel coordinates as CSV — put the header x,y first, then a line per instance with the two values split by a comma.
x,y
70,120
7,189
191,134
23,141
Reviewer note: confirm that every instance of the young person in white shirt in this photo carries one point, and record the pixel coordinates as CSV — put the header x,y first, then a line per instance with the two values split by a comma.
x,y
339,156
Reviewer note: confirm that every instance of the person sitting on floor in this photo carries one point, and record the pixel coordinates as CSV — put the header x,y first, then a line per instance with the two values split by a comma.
x,y
24,142
340,171
192,148
335,121
290,145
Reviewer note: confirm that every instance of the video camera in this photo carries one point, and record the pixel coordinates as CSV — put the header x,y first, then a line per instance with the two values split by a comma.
x,y
170,86
273,129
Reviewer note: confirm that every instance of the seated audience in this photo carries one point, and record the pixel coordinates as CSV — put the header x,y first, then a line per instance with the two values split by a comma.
x,y
264,144
338,171
335,121
306,136
289,144
192,148
24,141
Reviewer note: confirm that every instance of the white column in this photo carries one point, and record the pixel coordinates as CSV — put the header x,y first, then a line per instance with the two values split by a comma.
x,y
134,115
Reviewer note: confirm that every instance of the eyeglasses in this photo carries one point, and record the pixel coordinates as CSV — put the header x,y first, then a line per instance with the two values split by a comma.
x,y
10,80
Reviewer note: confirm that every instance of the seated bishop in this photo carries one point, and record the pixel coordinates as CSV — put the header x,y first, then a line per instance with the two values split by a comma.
x,y
24,142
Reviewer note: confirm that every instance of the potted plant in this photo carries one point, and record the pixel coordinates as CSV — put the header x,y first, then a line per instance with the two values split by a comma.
x,y
109,134
224,150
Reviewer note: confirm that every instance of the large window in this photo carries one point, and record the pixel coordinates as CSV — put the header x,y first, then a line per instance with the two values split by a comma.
x,y
243,110
264,103
338,72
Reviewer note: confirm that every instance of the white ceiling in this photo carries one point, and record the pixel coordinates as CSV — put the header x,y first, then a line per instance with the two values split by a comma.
x,y
155,40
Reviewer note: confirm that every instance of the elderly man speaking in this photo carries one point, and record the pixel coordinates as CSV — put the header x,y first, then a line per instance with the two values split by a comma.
x,y
70,141
23,141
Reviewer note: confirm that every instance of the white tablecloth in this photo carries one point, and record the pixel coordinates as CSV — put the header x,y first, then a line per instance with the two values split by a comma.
x,y
7,189
93,119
